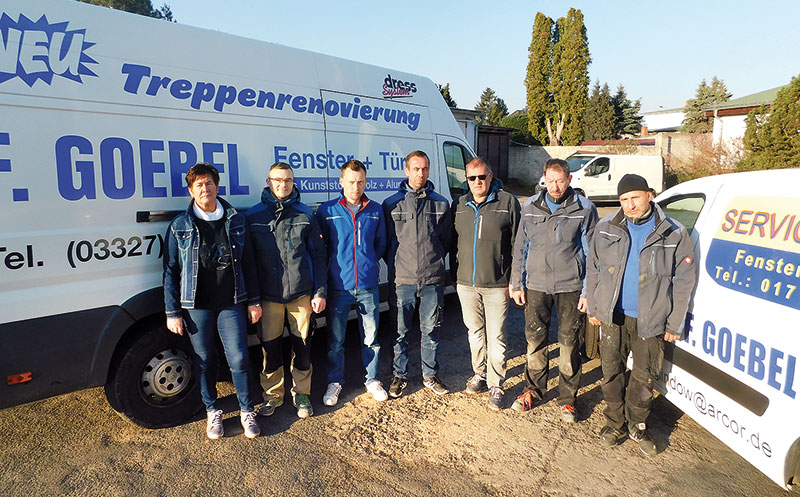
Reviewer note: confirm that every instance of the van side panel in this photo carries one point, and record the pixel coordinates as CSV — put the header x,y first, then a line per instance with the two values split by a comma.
x,y
58,364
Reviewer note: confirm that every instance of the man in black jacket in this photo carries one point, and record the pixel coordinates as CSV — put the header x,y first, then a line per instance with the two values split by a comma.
x,y
292,273
419,228
486,222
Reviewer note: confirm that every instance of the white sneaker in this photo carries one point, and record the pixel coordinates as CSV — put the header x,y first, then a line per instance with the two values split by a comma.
x,y
331,396
377,391
250,425
214,428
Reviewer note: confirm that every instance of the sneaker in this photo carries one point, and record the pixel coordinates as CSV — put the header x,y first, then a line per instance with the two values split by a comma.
x,y
639,434
331,396
397,387
214,428
303,405
377,391
610,436
476,384
525,402
434,385
250,425
268,407
568,413
496,398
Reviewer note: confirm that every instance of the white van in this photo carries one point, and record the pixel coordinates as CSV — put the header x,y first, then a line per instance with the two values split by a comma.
x,y
596,176
103,114
736,372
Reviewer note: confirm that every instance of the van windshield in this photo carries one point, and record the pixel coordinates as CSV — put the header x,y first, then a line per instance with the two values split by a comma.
x,y
576,162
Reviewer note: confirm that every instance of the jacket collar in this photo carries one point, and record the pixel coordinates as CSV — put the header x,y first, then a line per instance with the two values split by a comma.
x,y
569,204
364,200
269,198
230,211
422,192
494,188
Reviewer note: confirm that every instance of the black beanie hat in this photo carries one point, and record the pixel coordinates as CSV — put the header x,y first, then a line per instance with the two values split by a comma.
x,y
632,182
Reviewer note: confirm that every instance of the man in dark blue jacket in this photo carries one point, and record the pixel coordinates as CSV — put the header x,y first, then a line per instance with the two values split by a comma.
x,y
290,256
420,226
355,234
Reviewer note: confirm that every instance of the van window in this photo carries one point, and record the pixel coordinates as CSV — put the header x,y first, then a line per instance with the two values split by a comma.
x,y
576,162
456,158
599,166
684,208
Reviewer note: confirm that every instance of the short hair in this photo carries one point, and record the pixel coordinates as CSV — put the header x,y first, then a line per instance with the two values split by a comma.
x,y
417,153
280,165
201,169
558,164
354,165
477,162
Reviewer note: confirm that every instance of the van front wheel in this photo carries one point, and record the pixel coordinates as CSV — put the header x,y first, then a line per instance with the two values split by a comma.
x,y
151,382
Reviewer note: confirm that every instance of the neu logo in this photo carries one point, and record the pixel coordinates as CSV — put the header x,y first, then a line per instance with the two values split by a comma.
x,y
396,88
40,50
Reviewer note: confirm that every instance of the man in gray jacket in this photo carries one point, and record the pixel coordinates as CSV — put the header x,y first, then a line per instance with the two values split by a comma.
x,y
640,279
419,226
549,271
486,222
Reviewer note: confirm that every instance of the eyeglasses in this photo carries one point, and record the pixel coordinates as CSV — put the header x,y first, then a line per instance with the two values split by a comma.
x,y
481,177
281,180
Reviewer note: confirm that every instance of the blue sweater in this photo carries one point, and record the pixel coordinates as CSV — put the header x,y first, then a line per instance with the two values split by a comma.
x,y
629,296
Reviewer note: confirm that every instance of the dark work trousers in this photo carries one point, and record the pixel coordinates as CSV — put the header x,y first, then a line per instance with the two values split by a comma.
x,y
538,311
628,398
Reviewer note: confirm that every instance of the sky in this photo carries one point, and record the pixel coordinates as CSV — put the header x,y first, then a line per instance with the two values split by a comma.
x,y
659,51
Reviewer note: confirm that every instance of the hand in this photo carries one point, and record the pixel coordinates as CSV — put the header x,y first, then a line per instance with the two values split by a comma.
x,y
175,325
669,337
254,311
582,306
594,321
519,297
318,304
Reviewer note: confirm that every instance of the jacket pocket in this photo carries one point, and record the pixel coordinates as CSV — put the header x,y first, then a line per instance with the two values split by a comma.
x,y
183,239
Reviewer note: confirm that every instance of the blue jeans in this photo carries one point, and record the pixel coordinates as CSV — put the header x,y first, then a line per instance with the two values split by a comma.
x,y
231,324
339,304
431,300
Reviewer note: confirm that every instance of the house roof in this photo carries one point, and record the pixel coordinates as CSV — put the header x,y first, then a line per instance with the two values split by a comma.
x,y
765,97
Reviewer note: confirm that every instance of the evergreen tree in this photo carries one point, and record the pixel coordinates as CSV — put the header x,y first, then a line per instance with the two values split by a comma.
x,y
772,140
570,78
519,121
491,107
537,79
445,91
695,120
627,114
599,118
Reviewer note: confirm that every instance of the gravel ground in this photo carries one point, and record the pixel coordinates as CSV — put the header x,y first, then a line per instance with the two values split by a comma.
x,y
418,445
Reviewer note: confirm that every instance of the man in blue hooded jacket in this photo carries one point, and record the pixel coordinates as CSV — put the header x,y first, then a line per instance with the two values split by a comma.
x,y
355,234
290,257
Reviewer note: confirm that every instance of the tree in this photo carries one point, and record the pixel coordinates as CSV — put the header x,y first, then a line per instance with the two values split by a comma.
x,y
599,119
141,7
627,116
695,120
772,140
557,81
491,107
570,80
445,91
521,134
537,79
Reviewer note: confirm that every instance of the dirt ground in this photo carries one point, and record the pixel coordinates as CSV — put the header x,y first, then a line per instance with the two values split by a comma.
x,y
418,445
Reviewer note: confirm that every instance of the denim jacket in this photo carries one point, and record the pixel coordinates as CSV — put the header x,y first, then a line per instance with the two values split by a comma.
x,y
180,259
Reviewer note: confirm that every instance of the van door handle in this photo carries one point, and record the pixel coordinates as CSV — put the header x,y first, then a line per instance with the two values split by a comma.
x,y
609,176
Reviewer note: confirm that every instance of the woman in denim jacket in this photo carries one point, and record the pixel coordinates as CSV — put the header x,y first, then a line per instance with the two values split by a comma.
x,y
207,268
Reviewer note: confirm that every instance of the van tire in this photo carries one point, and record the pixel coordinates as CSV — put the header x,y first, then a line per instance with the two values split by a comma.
x,y
589,340
152,383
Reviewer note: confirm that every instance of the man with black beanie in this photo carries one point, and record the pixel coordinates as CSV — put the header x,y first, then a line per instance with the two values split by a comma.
x,y
640,277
